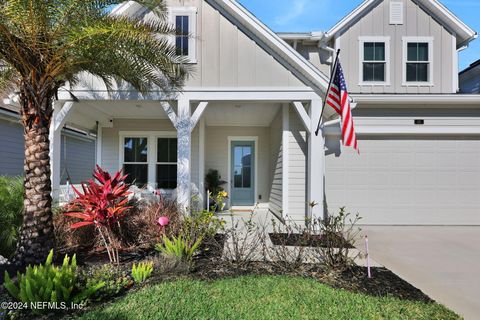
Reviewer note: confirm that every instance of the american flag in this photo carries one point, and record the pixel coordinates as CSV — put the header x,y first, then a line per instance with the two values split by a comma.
x,y
339,100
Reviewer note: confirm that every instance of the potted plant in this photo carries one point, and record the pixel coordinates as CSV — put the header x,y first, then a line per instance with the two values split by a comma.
x,y
215,191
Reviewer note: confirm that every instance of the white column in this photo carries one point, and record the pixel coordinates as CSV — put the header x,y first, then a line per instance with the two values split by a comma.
x,y
316,162
98,158
55,137
184,154
285,158
201,159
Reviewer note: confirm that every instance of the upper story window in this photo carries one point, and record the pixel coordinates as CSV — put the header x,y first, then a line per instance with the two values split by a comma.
x,y
374,60
184,19
418,61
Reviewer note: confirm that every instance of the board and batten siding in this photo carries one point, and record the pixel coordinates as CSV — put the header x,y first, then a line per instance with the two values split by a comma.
x,y
276,165
417,23
227,57
298,156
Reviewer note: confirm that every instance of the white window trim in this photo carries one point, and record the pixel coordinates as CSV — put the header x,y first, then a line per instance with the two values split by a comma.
x,y
191,12
361,41
152,137
405,41
230,139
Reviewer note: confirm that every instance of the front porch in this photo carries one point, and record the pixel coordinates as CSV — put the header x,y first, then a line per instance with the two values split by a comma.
x,y
261,142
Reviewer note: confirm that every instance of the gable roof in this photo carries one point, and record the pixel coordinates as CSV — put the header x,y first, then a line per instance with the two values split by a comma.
x,y
463,32
265,38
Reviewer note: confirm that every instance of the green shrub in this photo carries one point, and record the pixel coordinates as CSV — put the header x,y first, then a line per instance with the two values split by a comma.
x,y
114,279
11,207
142,271
179,247
49,283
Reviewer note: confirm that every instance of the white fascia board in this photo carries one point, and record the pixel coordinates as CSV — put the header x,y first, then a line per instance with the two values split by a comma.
x,y
361,9
418,98
435,7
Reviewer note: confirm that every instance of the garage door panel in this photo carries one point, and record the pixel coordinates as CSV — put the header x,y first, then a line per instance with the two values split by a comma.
x,y
409,181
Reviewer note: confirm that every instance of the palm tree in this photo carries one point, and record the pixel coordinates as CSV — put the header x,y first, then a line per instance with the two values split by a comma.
x,y
45,44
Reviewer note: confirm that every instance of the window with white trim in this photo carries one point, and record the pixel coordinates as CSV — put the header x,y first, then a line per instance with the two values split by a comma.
x,y
375,60
418,61
184,19
135,160
166,163
149,158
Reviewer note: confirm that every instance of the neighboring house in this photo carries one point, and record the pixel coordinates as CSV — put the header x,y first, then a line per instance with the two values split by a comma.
x,y
252,106
470,79
77,154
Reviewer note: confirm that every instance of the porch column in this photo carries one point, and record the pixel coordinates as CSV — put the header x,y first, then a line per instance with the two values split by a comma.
x,y
184,154
285,158
316,163
201,159
59,118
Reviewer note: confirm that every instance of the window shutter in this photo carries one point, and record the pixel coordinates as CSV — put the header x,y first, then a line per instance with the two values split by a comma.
x,y
396,12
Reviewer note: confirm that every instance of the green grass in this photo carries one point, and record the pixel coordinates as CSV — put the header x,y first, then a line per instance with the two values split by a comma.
x,y
261,297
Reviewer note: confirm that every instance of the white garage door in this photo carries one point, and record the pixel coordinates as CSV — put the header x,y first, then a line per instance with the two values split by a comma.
x,y
408,181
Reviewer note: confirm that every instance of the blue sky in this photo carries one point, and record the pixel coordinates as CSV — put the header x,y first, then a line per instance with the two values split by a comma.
x,y
308,15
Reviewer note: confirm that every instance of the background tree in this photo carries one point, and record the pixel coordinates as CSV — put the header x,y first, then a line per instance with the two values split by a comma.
x,y
45,44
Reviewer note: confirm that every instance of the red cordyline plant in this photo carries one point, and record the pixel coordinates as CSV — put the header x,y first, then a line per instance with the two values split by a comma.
x,y
102,202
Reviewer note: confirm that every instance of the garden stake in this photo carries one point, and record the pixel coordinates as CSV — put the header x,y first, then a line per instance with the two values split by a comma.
x,y
368,258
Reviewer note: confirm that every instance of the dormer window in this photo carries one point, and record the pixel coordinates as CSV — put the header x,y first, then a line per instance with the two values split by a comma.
x,y
184,19
417,61
374,60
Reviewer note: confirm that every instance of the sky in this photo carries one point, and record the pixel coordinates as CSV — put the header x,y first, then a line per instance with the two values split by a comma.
x,y
320,15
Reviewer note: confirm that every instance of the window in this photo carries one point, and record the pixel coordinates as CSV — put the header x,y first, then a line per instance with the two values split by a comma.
x,y
417,61
181,37
375,60
149,158
135,160
184,20
166,163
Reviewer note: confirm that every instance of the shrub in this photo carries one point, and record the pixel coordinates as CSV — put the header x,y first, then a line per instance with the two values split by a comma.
x,y
339,233
142,271
102,205
180,248
115,280
141,228
49,283
11,207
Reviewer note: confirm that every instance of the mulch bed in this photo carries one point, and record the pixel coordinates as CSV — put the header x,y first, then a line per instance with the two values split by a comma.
x,y
208,266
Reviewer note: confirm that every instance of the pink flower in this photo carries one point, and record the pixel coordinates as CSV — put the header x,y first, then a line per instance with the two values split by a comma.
x,y
163,221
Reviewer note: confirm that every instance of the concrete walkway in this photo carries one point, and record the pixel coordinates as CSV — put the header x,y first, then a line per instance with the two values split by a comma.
x,y
444,262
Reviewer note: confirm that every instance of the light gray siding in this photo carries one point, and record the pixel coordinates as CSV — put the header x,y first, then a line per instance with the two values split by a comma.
x,y
11,151
80,153
417,23
298,153
229,58
77,158
276,166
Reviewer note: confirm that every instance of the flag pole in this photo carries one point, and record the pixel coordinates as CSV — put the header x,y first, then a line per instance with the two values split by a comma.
x,y
334,70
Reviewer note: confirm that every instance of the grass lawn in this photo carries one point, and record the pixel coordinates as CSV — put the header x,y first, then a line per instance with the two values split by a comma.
x,y
260,297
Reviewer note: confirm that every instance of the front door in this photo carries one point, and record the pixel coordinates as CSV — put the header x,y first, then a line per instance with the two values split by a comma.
x,y
242,173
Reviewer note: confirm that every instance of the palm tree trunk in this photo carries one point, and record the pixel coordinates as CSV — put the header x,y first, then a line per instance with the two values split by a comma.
x,y
36,233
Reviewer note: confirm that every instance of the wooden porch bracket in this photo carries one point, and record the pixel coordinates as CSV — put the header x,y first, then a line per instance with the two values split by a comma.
x,y
302,113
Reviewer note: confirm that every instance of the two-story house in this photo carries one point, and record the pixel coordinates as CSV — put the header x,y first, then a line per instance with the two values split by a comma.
x,y
252,107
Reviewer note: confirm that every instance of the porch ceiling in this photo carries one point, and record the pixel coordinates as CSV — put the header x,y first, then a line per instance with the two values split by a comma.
x,y
85,114
240,114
